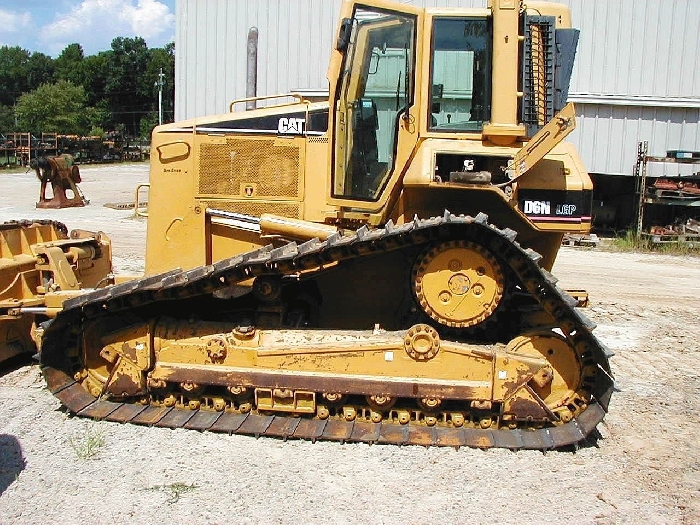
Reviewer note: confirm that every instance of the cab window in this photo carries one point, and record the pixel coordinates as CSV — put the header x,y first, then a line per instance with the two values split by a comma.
x,y
460,87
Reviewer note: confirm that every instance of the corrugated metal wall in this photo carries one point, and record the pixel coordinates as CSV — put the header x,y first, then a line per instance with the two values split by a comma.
x,y
637,72
607,136
295,38
637,77
637,49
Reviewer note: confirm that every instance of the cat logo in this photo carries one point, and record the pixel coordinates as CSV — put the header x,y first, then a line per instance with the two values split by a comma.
x,y
291,126
248,190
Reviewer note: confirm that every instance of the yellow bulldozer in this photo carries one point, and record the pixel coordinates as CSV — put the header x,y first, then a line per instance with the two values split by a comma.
x,y
374,268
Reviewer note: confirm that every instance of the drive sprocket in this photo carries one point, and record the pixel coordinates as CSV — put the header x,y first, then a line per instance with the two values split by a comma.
x,y
458,283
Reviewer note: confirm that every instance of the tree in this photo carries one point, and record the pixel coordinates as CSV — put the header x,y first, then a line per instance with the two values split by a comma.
x,y
7,118
162,58
69,64
125,85
119,87
98,116
56,108
40,70
13,73
94,76
147,124
22,71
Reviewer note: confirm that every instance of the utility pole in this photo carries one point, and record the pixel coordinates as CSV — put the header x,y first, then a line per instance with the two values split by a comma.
x,y
159,83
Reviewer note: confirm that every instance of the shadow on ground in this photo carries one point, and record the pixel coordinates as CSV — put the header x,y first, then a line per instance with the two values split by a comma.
x,y
15,363
11,461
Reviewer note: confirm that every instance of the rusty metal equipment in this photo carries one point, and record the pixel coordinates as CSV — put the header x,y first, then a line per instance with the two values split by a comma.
x,y
686,234
323,290
667,198
64,176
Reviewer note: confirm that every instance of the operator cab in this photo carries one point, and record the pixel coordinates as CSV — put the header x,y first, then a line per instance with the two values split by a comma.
x,y
377,90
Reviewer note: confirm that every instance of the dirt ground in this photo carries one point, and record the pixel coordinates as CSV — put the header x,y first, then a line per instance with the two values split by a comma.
x,y
60,469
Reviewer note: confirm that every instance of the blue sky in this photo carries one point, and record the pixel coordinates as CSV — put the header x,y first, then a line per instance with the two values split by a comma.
x,y
49,26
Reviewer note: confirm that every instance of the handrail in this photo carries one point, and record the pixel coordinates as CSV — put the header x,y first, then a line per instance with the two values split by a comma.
x,y
298,96
136,200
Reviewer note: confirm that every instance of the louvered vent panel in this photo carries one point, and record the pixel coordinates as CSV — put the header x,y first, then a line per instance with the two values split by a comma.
x,y
263,164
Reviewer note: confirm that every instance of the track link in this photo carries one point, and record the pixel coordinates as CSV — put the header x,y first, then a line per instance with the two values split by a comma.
x,y
26,223
61,347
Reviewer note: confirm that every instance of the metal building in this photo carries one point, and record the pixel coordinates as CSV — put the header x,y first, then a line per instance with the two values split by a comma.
x,y
637,72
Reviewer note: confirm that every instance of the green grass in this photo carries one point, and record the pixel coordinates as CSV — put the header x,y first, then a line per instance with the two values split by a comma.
x,y
174,490
630,242
88,445
15,169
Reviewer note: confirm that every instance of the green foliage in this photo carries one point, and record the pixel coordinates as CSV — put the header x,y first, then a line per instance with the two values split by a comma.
x,y
147,124
7,118
118,88
96,132
630,242
56,108
22,71
126,87
40,70
69,64
163,59
94,74
13,73
97,117
627,242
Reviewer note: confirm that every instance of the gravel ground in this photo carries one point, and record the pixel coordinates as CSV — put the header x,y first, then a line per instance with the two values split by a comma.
x,y
59,469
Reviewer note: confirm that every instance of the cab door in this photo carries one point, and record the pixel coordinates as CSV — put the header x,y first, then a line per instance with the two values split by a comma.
x,y
375,100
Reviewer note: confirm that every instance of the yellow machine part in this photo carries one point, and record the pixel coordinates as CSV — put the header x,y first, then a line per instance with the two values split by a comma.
x,y
533,376
40,267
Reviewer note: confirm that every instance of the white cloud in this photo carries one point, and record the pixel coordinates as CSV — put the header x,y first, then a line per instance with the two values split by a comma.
x,y
13,21
94,23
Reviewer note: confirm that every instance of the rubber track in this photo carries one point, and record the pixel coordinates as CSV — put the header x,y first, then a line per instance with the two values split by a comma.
x,y
61,340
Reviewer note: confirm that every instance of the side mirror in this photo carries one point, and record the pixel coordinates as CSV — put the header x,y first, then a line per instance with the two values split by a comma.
x,y
344,34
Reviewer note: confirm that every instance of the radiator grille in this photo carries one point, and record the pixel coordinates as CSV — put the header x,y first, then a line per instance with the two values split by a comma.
x,y
538,72
241,166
